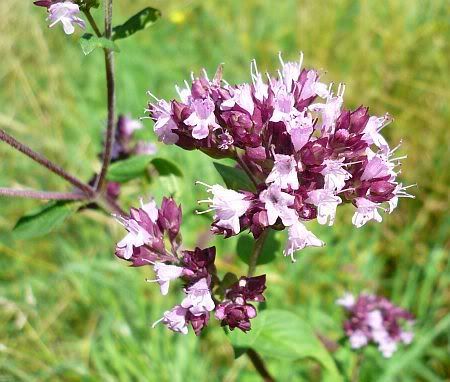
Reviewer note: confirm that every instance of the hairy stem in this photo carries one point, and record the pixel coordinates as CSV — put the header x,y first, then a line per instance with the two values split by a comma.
x,y
111,99
259,365
43,195
39,158
257,249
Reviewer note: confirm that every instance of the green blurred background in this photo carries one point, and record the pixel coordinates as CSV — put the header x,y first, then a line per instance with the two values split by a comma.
x,y
70,311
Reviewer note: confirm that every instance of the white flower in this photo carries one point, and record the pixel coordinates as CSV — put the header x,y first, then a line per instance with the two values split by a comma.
x,y
366,210
202,117
326,202
65,13
298,238
164,274
277,205
198,299
335,175
284,172
242,96
313,87
290,71
228,205
347,301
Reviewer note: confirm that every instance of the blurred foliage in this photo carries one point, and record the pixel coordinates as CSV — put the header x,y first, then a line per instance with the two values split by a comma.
x,y
70,311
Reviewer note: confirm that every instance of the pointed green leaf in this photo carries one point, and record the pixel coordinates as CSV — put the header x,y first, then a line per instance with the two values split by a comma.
x,y
128,169
285,335
234,178
166,167
139,21
89,42
45,219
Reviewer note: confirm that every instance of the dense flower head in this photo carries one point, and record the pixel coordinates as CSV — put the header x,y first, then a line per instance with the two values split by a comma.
x,y
304,151
376,319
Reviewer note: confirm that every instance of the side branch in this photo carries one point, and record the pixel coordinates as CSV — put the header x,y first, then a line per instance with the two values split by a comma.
x,y
259,365
42,160
43,195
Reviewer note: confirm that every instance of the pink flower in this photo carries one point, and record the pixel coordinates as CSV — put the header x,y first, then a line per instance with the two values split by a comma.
x,y
137,236
242,96
277,205
202,117
298,238
65,13
164,123
326,202
300,128
284,108
228,206
335,175
164,274
330,110
372,131
366,210
198,299
175,319
261,89
284,172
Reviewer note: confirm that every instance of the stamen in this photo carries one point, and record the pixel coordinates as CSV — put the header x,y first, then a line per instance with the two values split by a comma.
x,y
202,183
204,212
153,96
204,201
300,61
151,281
157,322
280,58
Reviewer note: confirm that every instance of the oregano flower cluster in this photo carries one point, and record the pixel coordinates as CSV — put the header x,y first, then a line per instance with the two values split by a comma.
x,y
304,152
154,239
376,319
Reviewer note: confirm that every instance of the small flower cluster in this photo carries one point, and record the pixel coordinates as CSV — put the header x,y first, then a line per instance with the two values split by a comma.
x,y
376,319
304,152
151,231
125,146
64,12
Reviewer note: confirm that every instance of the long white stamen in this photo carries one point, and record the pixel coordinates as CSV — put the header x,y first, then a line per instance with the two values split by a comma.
x,y
280,58
202,183
204,212
300,61
152,281
153,96
204,201
157,322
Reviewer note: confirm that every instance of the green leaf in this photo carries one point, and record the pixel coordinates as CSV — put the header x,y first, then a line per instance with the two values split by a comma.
x,y
89,42
284,335
45,219
139,21
234,178
169,175
128,169
246,242
166,167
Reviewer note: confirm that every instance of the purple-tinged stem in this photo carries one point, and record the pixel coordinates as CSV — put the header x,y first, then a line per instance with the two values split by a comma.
x,y
44,195
259,365
39,158
255,358
111,99
246,169
257,249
